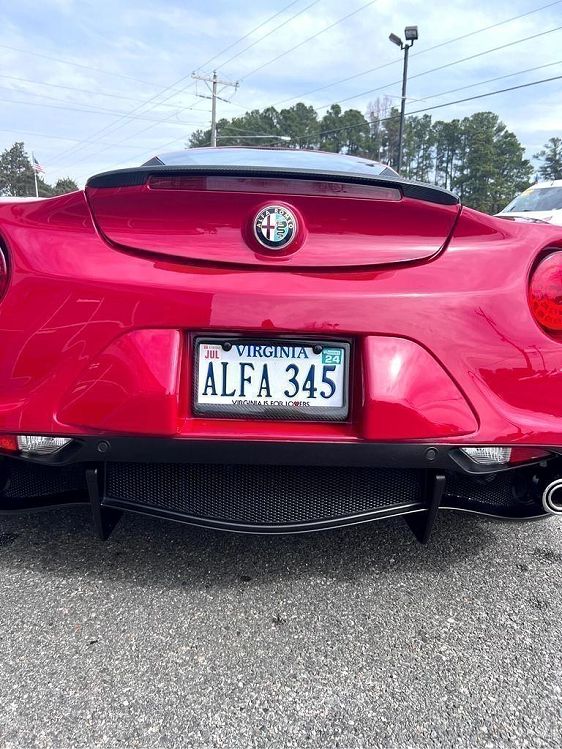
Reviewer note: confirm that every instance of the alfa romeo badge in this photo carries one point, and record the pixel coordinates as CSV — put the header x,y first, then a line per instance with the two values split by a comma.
x,y
275,227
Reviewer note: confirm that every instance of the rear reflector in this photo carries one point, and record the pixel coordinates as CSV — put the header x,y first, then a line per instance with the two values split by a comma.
x,y
274,186
9,443
528,454
545,293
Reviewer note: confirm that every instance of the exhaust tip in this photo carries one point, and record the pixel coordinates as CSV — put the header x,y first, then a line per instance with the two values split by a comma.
x,y
552,498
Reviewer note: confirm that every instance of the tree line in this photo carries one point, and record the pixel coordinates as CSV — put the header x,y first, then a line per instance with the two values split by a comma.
x,y
476,157
17,178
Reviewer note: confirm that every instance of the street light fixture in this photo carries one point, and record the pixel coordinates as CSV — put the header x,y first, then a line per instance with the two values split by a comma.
x,y
286,138
410,34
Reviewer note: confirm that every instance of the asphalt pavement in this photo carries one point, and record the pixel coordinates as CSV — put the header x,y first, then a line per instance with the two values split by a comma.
x,y
168,636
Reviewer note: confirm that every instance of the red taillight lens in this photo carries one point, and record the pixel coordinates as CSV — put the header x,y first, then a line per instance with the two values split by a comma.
x,y
545,293
9,443
527,454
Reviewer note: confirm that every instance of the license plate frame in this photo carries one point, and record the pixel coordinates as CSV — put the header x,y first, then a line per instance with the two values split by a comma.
x,y
283,413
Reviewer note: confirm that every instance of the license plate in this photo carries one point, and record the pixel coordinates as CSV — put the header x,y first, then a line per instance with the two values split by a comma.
x,y
276,379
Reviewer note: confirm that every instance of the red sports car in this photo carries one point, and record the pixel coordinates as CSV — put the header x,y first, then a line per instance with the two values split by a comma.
x,y
277,341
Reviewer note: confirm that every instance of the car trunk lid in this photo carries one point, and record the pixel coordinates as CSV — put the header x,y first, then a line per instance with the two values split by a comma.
x,y
210,216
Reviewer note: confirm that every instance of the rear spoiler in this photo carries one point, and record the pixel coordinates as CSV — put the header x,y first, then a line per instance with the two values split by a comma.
x,y
137,176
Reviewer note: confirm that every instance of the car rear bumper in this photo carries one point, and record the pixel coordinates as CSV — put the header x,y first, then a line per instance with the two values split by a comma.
x,y
271,487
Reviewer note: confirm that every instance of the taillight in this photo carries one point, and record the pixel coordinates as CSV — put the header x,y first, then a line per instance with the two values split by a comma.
x,y
545,293
3,273
32,445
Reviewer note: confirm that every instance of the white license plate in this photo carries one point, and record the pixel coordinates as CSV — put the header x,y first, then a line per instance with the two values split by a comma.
x,y
280,379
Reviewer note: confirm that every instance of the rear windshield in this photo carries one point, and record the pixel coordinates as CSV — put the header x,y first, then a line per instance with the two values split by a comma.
x,y
292,159
537,199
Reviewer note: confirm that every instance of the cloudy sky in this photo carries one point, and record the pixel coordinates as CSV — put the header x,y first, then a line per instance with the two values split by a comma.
x,y
90,85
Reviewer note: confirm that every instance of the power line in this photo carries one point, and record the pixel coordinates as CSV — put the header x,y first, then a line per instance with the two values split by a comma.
x,y
488,93
241,39
116,126
269,33
491,80
87,111
112,127
240,52
91,107
310,38
446,65
445,104
76,64
88,91
419,52
124,140
35,134
451,90
127,138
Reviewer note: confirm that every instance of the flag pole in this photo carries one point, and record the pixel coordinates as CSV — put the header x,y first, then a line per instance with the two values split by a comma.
x,y
34,165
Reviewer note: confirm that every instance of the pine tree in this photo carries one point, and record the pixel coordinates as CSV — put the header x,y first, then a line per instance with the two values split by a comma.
x,y
551,157
16,173
18,180
477,157
300,123
344,132
64,185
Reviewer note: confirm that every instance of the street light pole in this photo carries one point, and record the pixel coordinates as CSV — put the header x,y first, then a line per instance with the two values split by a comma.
x,y
411,34
402,107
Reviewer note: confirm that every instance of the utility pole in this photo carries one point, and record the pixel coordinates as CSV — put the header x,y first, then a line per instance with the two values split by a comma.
x,y
411,34
214,81
214,111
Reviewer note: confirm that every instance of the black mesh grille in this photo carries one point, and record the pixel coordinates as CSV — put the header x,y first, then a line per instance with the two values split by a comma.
x,y
28,480
263,495
494,491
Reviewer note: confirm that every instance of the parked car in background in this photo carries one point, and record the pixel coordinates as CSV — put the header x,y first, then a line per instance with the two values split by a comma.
x,y
539,203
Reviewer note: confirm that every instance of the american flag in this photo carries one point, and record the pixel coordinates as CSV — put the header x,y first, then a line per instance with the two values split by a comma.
x,y
35,165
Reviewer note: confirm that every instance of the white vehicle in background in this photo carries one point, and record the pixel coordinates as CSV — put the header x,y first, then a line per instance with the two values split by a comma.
x,y
541,203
